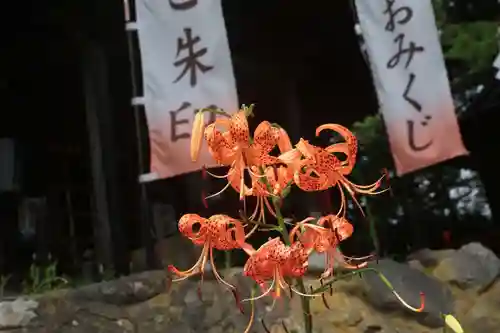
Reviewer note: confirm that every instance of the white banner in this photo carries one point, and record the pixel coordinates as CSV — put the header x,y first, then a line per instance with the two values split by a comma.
x,y
411,81
186,65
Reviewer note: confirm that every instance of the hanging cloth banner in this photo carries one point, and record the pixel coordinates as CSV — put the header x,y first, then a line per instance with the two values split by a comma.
x,y
411,81
186,65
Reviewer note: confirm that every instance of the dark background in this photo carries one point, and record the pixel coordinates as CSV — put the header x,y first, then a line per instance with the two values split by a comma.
x,y
299,62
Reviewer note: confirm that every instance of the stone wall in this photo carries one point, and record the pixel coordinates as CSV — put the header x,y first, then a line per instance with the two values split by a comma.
x,y
463,282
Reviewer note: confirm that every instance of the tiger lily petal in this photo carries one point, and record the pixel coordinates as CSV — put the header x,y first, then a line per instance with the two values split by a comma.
x,y
272,263
284,143
278,178
239,130
219,231
324,237
265,138
349,148
218,142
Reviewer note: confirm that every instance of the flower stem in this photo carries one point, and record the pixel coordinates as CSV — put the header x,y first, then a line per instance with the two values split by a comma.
x,y
281,221
306,308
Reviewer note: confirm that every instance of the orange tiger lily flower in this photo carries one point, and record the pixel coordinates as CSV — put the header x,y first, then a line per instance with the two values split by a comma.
x,y
219,231
317,169
314,168
324,237
233,148
274,262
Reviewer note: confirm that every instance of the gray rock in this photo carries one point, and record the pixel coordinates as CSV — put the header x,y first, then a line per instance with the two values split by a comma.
x,y
430,258
119,307
317,263
408,283
415,264
487,260
127,290
17,313
471,267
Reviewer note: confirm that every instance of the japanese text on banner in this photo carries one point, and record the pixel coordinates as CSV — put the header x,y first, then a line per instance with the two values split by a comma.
x,y
411,81
186,65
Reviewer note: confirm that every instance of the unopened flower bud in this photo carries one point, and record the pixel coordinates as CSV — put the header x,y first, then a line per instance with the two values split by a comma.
x,y
453,323
197,135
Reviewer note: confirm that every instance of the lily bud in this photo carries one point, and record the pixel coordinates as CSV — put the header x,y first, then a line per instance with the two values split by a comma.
x,y
453,323
197,135
248,110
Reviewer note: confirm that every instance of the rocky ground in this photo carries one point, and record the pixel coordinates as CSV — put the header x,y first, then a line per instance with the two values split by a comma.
x,y
463,282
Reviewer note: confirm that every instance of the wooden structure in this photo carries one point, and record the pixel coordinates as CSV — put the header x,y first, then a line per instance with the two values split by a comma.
x,y
68,74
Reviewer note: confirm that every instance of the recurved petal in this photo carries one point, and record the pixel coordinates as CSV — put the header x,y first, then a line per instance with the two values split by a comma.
x,y
348,136
285,175
309,183
240,134
284,142
307,149
266,136
193,226
228,232
290,157
218,144
343,228
349,148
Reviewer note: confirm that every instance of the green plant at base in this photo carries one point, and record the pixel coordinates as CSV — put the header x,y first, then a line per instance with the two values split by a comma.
x,y
42,279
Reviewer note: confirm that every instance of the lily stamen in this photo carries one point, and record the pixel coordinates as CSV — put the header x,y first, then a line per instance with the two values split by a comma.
x,y
264,294
218,176
216,273
200,263
218,193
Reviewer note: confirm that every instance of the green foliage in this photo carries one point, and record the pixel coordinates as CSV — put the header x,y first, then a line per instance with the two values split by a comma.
x,y
42,279
474,43
469,48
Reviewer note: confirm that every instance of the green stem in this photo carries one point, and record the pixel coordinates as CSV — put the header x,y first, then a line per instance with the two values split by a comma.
x,y
281,221
373,228
306,308
326,286
227,259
